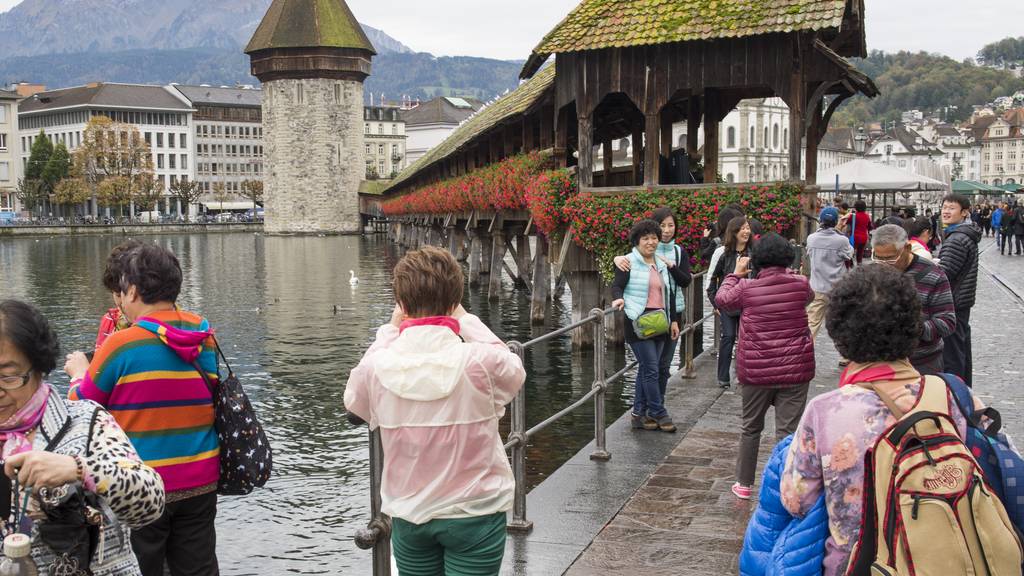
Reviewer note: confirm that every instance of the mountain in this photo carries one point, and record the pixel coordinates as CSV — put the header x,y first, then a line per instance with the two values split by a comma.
x,y
63,43
927,82
417,75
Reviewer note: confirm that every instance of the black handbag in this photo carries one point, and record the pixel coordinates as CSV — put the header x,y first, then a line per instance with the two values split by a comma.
x,y
245,455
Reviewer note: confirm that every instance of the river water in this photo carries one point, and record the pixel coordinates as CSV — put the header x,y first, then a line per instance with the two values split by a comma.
x,y
293,327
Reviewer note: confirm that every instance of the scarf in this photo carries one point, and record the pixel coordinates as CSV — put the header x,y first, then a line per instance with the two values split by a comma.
x,y
13,430
446,321
878,372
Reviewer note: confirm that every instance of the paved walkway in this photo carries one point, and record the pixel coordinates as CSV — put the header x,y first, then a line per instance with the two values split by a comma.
x,y
684,521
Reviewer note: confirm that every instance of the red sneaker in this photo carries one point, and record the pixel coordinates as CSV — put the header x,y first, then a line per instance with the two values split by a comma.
x,y
742,492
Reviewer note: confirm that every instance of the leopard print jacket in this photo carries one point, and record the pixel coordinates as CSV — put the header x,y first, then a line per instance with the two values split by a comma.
x,y
134,491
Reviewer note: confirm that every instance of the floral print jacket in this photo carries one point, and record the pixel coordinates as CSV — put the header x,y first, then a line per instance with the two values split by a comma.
x,y
827,454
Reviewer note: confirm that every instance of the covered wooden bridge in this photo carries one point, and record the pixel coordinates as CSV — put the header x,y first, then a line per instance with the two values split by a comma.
x,y
631,69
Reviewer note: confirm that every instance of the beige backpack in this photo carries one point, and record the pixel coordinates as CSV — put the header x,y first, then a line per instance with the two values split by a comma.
x,y
927,509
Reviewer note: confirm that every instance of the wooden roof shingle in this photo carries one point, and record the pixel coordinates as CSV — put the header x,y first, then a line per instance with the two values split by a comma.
x,y
309,24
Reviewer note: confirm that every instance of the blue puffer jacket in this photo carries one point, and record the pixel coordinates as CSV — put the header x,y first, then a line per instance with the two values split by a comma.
x,y
777,543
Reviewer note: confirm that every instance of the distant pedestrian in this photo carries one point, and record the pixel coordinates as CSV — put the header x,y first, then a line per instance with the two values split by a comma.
x,y
146,376
678,262
775,362
997,218
1018,229
1011,215
828,253
986,218
644,294
920,233
894,218
737,245
436,382
860,229
959,260
889,245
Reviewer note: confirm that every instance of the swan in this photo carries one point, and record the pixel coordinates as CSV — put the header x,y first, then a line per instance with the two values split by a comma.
x,y
352,278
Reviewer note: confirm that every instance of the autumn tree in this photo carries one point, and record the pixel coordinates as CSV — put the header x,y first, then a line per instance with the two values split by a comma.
x,y
148,191
31,193
252,190
71,191
112,161
187,192
220,194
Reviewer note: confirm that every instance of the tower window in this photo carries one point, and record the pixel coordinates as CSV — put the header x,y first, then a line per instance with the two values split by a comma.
x,y
299,95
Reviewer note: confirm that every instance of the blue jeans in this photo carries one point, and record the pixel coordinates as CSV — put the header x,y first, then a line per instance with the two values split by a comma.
x,y
665,365
647,399
730,331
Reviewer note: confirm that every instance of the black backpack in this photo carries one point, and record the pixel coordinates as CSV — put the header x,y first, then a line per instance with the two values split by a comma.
x,y
245,456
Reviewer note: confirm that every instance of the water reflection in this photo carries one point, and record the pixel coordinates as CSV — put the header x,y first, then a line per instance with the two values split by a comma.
x,y
292,328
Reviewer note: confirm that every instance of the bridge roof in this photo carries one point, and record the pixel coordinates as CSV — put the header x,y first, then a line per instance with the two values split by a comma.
x,y
508,106
597,24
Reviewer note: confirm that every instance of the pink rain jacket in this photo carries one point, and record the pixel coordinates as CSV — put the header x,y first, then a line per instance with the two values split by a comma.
x,y
437,401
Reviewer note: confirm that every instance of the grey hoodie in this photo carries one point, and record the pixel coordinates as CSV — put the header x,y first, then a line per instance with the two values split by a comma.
x,y
828,252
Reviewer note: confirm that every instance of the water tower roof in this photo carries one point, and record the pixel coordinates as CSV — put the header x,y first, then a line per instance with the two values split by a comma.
x,y
309,24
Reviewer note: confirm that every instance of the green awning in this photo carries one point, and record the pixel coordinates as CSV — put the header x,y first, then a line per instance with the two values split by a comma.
x,y
1015,188
975,187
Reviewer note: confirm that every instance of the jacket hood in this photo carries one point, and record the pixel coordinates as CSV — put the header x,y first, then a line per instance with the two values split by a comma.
x,y
424,363
972,230
186,343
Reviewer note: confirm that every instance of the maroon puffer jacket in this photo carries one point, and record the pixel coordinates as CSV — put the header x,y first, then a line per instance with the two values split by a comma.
x,y
774,346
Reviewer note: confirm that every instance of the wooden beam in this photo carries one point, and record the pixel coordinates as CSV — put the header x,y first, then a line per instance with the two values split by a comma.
x,y
712,103
813,128
637,143
497,264
541,282
693,115
547,130
585,175
666,135
607,161
652,125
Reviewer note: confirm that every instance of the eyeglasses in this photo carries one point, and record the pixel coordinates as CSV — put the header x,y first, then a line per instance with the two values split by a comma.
x,y
890,261
10,383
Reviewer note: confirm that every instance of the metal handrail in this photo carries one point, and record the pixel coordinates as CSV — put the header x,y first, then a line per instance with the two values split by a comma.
x,y
378,532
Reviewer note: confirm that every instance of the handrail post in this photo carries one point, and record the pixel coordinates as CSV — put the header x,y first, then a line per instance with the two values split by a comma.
x,y
691,333
600,452
377,534
517,434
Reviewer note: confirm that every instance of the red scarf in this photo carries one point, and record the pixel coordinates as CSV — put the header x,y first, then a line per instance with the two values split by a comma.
x,y
878,372
446,321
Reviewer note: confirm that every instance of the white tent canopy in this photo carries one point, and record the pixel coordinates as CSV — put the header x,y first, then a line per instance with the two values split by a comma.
x,y
864,175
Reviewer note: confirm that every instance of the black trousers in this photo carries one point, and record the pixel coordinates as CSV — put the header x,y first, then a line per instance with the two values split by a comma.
x,y
1020,243
185,537
1004,239
956,351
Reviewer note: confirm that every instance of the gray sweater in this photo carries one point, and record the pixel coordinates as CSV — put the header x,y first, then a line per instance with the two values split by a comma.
x,y
828,252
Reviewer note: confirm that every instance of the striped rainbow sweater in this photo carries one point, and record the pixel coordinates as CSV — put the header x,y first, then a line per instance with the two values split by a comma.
x,y
159,399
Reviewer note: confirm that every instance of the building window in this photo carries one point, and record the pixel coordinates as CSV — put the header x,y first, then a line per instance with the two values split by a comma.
x,y
299,94
368,150
3,141
380,168
380,128
764,143
160,161
172,161
750,144
3,113
159,139
170,140
785,138
380,149
182,141
5,171
184,162
337,93
367,131
775,136
731,138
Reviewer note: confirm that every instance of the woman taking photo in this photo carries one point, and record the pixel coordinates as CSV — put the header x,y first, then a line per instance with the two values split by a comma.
x,y
678,262
645,295
736,246
775,362
50,443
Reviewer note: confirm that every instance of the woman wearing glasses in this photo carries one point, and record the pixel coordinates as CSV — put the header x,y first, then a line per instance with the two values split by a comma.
x,y
51,443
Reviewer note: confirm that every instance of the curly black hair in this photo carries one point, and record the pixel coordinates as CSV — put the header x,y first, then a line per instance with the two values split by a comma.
x,y
643,228
155,273
874,315
772,250
24,326
115,265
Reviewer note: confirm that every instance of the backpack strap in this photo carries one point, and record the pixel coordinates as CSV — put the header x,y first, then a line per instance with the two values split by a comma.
x,y
965,402
884,396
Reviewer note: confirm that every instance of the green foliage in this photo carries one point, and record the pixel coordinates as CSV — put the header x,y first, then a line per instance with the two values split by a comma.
x,y
57,167
39,155
1006,51
923,81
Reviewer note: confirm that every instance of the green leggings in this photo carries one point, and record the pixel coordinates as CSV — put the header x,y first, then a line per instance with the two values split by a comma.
x,y
450,547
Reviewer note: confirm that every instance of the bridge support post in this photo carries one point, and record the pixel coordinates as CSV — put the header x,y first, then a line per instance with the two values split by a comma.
x,y
486,247
586,295
475,254
541,281
523,257
497,258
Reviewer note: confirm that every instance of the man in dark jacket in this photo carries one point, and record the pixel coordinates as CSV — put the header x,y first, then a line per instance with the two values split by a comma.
x,y
1010,217
1018,230
890,245
959,260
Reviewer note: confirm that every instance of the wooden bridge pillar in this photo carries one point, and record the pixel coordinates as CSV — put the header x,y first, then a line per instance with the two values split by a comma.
x,y
524,260
457,242
497,258
541,281
586,295
475,254
486,247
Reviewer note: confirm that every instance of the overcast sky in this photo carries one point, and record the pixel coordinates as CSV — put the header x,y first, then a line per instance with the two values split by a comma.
x,y
509,30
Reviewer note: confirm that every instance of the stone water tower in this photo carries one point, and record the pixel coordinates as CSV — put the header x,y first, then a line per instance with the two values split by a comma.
x,y
312,58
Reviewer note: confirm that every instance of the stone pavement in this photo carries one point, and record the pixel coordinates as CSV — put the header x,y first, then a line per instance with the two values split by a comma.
x,y
684,521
